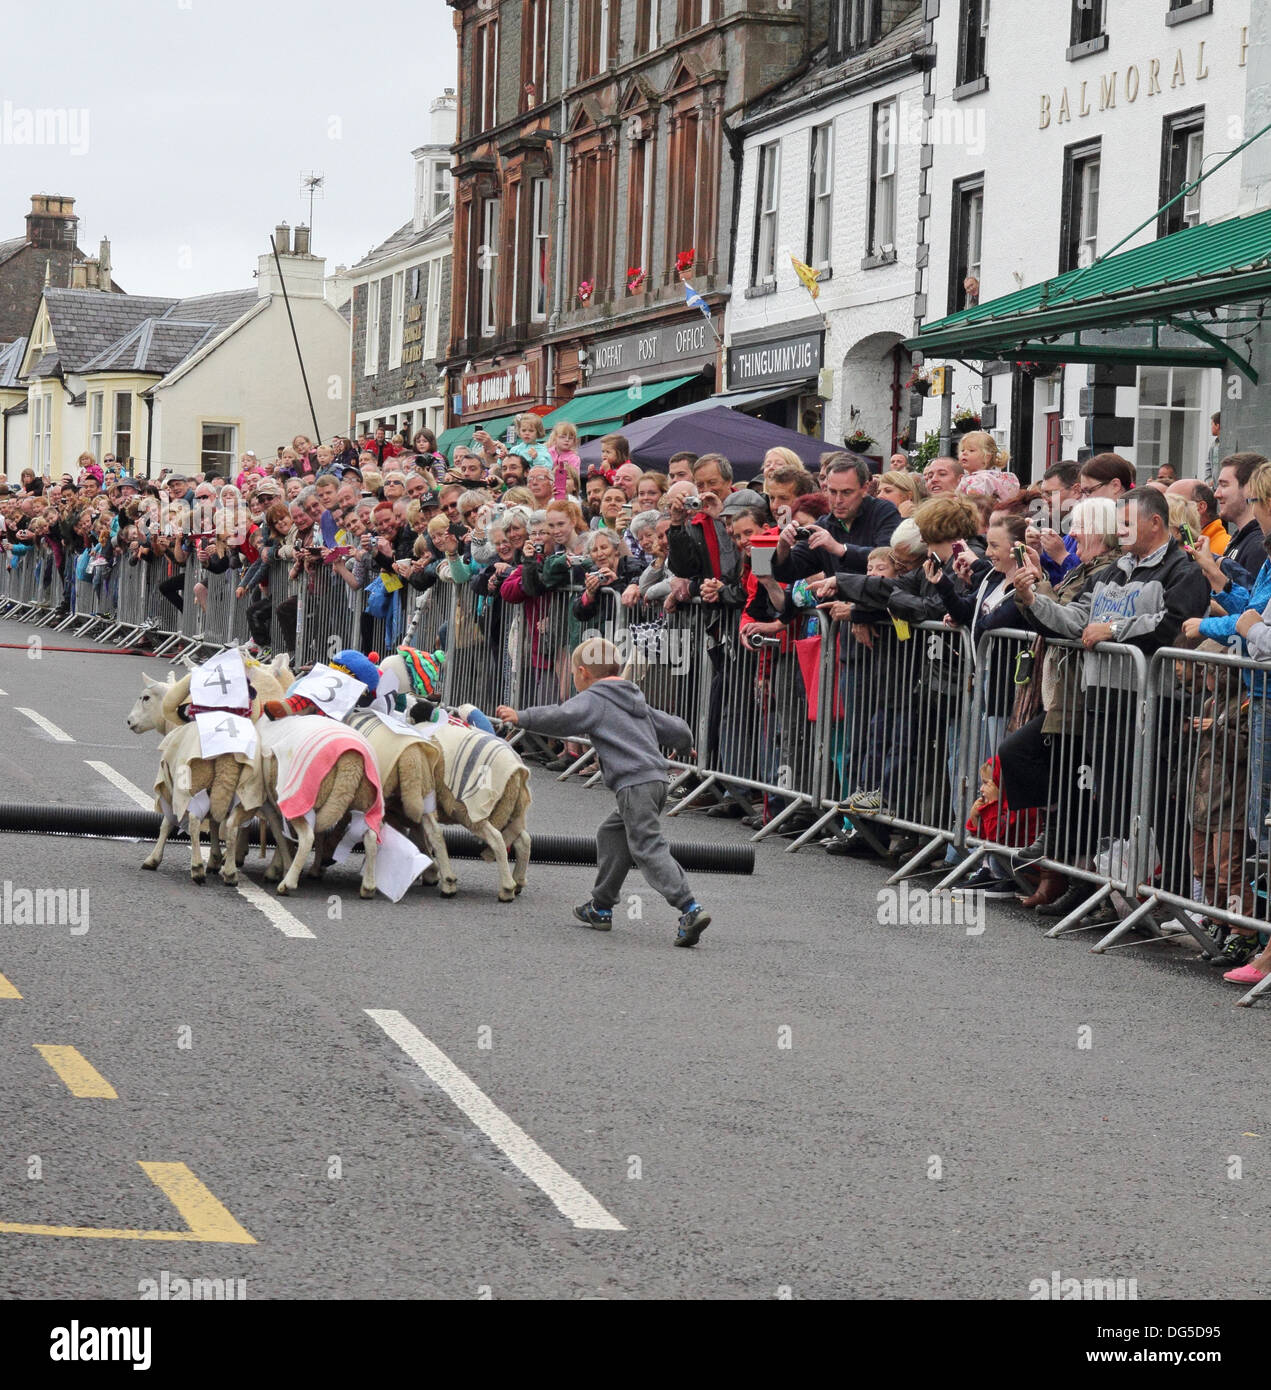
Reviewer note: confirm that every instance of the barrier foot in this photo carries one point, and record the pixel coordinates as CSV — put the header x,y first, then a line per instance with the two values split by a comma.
x,y
910,865
693,795
1261,987
959,870
579,762
1144,909
813,830
766,830
1073,919
677,781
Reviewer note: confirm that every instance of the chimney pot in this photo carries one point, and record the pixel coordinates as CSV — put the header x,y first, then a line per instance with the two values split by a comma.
x,y
282,238
300,246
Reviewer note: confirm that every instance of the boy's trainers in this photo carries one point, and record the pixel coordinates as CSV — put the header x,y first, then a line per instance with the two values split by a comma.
x,y
693,922
598,918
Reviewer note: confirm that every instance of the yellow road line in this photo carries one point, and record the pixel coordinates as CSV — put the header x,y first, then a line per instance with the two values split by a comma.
x,y
81,1077
7,990
207,1219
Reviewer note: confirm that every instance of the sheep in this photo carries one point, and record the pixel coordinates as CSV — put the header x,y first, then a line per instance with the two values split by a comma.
x,y
231,781
311,763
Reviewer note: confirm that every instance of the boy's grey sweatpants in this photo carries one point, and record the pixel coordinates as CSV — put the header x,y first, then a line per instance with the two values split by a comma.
x,y
632,835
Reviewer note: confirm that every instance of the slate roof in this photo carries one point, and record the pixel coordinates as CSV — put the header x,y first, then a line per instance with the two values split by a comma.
x,y
141,333
11,355
905,37
11,247
405,237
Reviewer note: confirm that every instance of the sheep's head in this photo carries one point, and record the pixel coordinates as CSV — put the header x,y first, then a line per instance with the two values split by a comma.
x,y
147,712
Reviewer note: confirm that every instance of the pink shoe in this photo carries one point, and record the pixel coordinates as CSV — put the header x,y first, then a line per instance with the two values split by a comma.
x,y
1246,975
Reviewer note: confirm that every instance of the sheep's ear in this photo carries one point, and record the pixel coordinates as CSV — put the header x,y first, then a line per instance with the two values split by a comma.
x,y
149,683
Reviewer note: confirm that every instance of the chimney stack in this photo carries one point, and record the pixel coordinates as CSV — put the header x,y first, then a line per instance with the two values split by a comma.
x,y
282,238
103,264
300,246
51,223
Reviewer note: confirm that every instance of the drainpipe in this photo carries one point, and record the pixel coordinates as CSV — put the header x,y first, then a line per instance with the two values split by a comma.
x,y
562,168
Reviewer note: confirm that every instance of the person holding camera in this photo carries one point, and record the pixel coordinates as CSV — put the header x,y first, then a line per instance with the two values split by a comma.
x,y
856,524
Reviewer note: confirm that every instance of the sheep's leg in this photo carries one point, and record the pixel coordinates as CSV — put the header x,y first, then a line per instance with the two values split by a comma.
x,y
304,843
521,848
233,830
214,831
156,854
197,872
371,846
435,842
498,852
281,860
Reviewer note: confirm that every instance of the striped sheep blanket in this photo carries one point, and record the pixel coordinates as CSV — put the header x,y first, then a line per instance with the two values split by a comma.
x,y
305,748
477,767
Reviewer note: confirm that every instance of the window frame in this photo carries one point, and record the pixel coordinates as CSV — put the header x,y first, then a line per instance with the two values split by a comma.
x,y
540,262
487,280
440,198
763,251
1088,31
876,248
432,305
536,28
972,64
855,25
485,74
1195,415
1179,128
1076,158
230,455
371,347
121,454
96,420
965,191
646,28
396,323
821,200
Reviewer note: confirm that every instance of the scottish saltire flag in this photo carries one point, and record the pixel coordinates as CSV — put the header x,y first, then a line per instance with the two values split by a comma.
x,y
695,300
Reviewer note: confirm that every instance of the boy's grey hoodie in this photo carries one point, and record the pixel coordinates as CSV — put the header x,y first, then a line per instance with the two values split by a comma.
x,y
624,731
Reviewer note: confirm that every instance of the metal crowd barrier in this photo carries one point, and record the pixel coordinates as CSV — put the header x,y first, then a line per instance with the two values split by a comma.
x,y
479,663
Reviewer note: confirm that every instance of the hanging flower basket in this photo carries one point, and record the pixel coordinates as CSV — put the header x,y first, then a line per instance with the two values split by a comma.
x,y
585,291
919,381
858,442
965,421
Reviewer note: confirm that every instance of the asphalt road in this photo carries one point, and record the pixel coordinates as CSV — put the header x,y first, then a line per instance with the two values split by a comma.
x,y
809,1104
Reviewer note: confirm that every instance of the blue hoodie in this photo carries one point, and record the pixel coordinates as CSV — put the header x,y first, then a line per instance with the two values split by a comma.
x,y
1238,600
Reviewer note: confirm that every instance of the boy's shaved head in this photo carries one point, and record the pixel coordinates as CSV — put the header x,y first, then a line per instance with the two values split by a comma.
x,y
598,657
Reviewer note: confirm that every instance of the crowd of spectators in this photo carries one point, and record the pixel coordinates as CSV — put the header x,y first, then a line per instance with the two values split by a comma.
x,y
1087,555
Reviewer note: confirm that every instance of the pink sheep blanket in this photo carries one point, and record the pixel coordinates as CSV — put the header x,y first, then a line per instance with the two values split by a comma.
x,y
306,748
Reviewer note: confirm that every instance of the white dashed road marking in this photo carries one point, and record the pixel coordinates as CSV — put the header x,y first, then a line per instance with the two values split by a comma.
x,y
47,725
118,780
570,1197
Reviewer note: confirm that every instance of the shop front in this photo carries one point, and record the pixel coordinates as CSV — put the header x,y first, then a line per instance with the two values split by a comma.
x,y
490,399
781,378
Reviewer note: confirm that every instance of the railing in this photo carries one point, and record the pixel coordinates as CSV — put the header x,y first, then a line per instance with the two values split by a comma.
x,y
1142,780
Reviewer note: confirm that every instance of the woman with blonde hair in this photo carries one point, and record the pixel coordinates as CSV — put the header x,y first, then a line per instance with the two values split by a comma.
x,y
903,490
780,457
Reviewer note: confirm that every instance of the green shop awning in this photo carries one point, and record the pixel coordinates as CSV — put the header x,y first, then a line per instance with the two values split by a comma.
x,y
603,412
462,434
1184,300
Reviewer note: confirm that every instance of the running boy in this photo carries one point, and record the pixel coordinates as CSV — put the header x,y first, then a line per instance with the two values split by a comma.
x,y
625,733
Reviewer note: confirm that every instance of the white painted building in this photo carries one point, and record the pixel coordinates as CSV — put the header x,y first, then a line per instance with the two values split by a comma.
x,y
831,175
187,384
1057,130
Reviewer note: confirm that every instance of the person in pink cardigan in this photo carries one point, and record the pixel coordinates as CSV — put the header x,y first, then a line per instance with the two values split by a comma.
x,y
562,444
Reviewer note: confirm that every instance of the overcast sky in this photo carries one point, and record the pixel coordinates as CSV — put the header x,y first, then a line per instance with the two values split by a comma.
x,y
195,119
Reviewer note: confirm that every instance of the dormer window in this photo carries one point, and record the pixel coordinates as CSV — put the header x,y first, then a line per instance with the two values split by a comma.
x,y
441,186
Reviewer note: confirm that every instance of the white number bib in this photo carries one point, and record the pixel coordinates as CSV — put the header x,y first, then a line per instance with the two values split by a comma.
x,y
334,692
220,683
225,733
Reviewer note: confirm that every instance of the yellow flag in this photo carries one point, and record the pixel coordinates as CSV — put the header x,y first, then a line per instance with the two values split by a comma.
x,y
806,274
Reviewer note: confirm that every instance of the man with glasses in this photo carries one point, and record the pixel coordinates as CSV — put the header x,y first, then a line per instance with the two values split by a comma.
x,y
841,540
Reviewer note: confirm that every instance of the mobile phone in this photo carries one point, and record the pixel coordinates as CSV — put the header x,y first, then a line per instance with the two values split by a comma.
x,y
1020,553
1189,536
959,547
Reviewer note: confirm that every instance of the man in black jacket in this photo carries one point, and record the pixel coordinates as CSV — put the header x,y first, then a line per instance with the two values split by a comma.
x,y
842,540
1236,512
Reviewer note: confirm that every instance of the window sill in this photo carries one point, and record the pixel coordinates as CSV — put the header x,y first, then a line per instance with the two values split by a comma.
x,y
883,258
758,291
1083,50
971,88
1196,10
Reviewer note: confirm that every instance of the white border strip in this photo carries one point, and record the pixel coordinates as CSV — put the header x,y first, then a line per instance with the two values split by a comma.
x,y
567,1193
121,783
47,725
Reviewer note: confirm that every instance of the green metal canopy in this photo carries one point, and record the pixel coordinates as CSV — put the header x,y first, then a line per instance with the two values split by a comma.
x,y
602,412
1189,299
